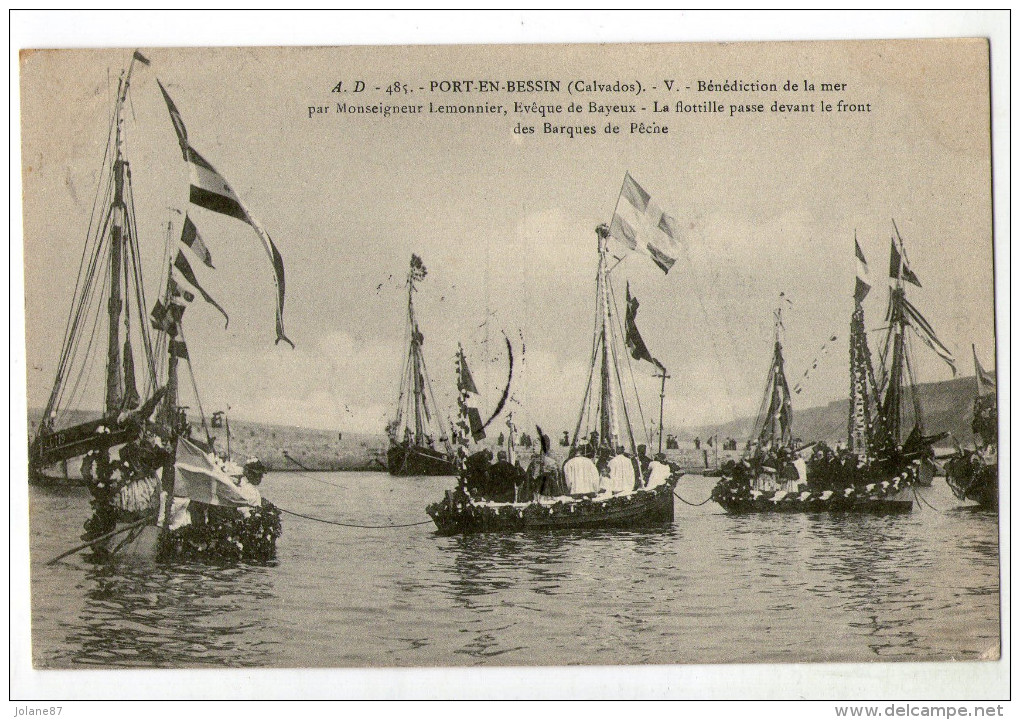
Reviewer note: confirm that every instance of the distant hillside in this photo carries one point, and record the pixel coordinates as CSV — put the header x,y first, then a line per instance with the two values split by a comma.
x,y
946,407
312,448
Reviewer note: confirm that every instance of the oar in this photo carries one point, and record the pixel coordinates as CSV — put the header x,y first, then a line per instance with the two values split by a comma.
x,y
101,538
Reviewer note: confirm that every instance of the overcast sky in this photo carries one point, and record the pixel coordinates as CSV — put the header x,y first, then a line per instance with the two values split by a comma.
x,y
505,224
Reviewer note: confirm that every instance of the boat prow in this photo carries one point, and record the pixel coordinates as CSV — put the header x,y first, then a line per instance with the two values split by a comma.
x,y
459,514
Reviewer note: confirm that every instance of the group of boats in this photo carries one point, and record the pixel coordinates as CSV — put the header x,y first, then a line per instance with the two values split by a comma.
x,y
153,479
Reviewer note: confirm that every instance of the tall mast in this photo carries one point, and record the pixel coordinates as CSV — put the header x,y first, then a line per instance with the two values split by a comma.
x,y
609,423
118,222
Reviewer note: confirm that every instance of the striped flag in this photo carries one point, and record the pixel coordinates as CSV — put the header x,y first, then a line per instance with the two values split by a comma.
x,y
201,479
640,224
191,238
211,191
182,266
899,268
863,284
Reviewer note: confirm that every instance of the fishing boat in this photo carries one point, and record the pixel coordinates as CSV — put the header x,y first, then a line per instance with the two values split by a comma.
x,y
546,497
419,442
878,470
974,474
155,486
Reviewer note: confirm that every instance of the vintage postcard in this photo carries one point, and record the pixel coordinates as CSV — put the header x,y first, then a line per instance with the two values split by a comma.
x,y
511,356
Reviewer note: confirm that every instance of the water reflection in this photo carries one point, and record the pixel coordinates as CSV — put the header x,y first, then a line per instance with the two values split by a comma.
x,y
147,615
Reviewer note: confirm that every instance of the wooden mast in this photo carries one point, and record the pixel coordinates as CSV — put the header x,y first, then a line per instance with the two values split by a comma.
x,y
609,422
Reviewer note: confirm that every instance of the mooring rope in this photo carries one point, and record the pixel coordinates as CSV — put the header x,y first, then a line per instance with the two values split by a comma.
x,y
687,502
920,499
335,522
351,525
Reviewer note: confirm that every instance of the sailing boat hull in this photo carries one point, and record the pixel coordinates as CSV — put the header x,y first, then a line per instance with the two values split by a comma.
x,y
406,461
880,495
458,515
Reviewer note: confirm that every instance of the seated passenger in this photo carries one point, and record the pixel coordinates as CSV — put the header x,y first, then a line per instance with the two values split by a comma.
x,y
502,479
581,475
658,471
621,473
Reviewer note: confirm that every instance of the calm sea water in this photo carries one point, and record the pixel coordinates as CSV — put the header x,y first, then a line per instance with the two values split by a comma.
x,y
711,588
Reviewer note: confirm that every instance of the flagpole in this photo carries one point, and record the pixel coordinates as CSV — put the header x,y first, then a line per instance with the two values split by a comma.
x,y
662,399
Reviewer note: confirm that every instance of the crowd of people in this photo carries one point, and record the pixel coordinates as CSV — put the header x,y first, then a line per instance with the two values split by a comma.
x,y
584,474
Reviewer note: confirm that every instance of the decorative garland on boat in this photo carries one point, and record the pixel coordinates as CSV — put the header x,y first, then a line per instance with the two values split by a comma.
x,y
458,505
967,470
225,534
735,486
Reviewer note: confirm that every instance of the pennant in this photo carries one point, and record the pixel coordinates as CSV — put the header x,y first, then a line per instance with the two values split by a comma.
x,y
191,238
179,349
640,224
141,58
863,284
177,291
469,398
924,330
211,191
176,119
985,379
635,343
899,269
182,266
165,318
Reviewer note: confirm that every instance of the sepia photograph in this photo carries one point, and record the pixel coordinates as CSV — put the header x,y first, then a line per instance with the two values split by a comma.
x,y
523,355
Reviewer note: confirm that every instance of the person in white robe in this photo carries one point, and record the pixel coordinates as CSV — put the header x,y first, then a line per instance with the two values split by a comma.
x,y
581,475
658,471
621,474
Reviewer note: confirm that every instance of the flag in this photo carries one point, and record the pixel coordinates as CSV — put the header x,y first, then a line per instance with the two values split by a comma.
x,y
141,58
863,281
191,238
176,291
985,379
898,267
184,268
635,343
640,224
923,329
211,191
469,398
179,349
177,120
200,479
166,317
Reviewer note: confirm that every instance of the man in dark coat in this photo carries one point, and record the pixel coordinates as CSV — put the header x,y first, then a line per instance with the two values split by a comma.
x,y
502,479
